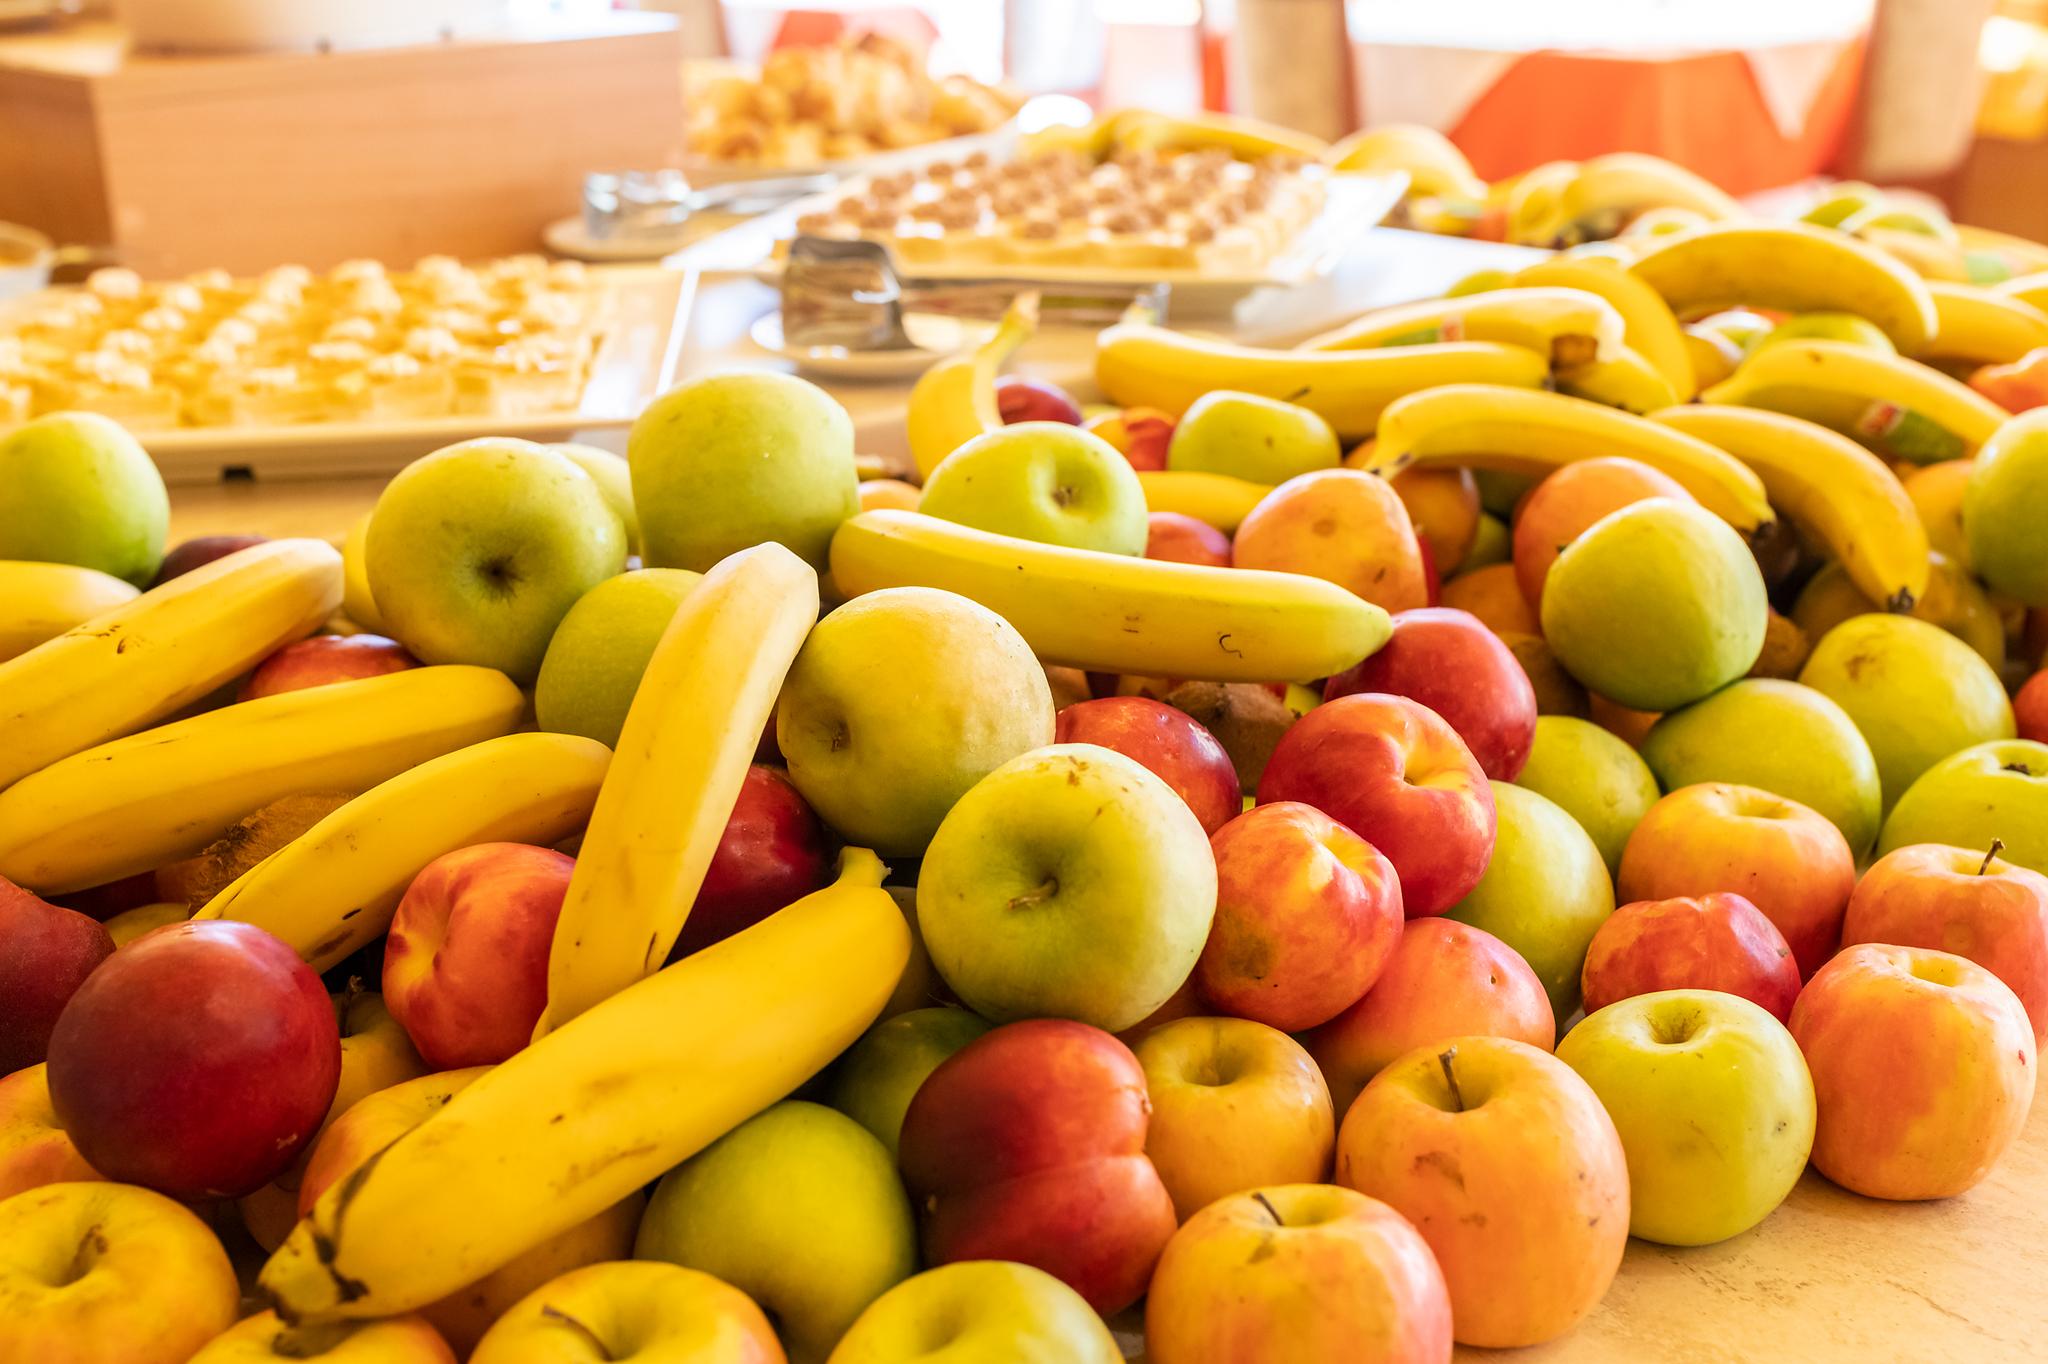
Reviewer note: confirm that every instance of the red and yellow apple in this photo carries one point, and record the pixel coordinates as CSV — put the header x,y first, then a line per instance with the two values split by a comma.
x,y
325,658
1566,503
34,1148
1393,772
1020,398
1236,1105
1176,537
1718,941
1508,1165
1028,1144
1450,662
50,952
1169,743
263,1339
631,1309
1307,913
1923,1070
774,851
978,1310
1341,525
1140,434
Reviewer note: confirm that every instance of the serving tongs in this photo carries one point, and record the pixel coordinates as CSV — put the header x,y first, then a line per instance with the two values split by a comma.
x,y
653,206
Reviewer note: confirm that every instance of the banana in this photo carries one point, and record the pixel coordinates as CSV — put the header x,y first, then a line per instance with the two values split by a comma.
x,y
356,602
1648,325
1247,139
1714,354
154,655
2016,254
1901,216
1522,432
1567,326
2030,289
40,601
138,802
955,400
1793,267
1436,168
1664,222
689,736
1114,613
1829,485
588,1114
1625,380
333,888
1529,202
1218,499
1983,326
1844,200
1929,257
1139,365
1898,407
1610,189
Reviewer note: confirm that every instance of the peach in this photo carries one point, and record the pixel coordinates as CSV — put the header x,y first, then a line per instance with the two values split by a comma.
x,y
263,1339
1923,1070
1341,525
1492,594
1560,508
1443,506
1789,862
1307,913
1235,1105
34,1148
1701,942
1449,661
1179,538
1444,980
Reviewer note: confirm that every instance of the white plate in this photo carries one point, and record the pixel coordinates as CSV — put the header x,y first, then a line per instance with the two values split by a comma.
x,y
937,336
635,363
999,143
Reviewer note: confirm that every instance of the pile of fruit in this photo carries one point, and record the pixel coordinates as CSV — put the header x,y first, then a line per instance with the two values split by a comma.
x,y
1327,848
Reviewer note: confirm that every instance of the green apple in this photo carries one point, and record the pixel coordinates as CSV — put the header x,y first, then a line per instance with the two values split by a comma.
x,y
979,1312
731,460
1069,883
1990,791
1593,776
801,1209
1782,737
1713,1103
598,652
76,488
2005,506
1246,436
614,479
1545,891
1656,605
1857,331
476,552
899,701
1915,691
1043,481
880,1074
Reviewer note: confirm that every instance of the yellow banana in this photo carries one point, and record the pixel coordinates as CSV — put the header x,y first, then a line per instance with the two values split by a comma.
x,y
1534,433
356,601
1247,139
136,803
333,888
2016,254
1901,216
588,1114
1794,267
1114,613
1664,222
1648,325
1900,408
1983,326
1529,202
1931,258
1844,199
1567,326
1436,168
1138,365
1714,354
1220,500
40,601
1624,380
1610,189
689,736
955,400
154,655
2029,288
1829,485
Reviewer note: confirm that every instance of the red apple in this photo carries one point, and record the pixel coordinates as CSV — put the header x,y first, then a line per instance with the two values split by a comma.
x,y
1789,862
1020,399
466,964
1140,434
1923,1070
204,549
1449,661
1691,942
1506,1162
47,954
1444,980
1028,1144
774,851
1962,901
196,1061
1394,773
1169,743
2030,708
326,658
1307,914
1179,538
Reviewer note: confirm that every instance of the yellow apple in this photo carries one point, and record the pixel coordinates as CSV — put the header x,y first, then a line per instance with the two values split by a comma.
x,y
643,1310
975,1311
96,1273
131,924
1236,1105
34,1149
263,1339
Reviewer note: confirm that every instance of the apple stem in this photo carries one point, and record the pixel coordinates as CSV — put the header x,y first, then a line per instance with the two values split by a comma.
x,y
1997,847
1271,1211
1038,894
1444,1058
555,1313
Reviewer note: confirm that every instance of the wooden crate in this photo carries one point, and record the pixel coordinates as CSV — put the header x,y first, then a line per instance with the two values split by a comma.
x,y
469,147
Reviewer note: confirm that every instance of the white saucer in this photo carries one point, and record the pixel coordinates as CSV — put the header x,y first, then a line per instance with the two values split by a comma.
x,y
936,335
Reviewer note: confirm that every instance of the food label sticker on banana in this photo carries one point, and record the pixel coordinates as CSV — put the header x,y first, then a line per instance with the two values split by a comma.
x,y
1903,433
